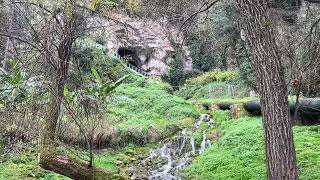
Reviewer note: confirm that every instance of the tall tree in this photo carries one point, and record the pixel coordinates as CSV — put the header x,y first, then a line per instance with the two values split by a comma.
x,y
50,32
257,25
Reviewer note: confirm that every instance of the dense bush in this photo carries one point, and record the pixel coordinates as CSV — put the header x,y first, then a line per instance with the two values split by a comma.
x,y
176,70
212,84
243,58
87,57
212,76
202,55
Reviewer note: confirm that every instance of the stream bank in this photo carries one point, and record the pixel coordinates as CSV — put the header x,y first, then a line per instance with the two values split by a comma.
x,y
175,154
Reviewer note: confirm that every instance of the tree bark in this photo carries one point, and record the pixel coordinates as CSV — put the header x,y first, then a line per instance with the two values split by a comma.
x,y
279,145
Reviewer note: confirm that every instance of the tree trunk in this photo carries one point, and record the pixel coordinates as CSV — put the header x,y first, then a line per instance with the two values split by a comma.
x,y
224,58
279,146
50,158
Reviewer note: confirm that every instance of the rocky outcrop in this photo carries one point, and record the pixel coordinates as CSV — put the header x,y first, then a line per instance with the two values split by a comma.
x,y
154,41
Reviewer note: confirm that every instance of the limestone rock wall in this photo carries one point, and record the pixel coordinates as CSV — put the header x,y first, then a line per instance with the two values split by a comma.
x,y
154,41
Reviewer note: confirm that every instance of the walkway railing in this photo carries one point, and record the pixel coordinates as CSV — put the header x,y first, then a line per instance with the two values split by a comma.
x,y
115,56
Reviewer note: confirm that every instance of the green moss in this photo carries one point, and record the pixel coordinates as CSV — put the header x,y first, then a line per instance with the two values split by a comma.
x,y
239,154
199,134
25,166
116,161
187,123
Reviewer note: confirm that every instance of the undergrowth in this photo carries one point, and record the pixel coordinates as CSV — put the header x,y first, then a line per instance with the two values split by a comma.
x,y
25,166
213,84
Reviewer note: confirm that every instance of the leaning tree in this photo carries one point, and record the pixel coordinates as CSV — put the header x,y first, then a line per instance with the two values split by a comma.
x,y
44,33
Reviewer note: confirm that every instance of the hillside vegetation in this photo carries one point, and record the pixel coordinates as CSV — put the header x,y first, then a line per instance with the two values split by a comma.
x,y
239,154
212,85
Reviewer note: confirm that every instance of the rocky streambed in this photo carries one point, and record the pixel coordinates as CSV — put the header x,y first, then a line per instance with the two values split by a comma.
x,y
168,159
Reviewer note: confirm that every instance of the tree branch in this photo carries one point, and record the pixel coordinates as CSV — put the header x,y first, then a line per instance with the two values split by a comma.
x,y
201,10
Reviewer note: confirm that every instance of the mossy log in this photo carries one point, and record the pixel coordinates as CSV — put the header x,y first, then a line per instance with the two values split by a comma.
x,y
308,109
308,105
72,168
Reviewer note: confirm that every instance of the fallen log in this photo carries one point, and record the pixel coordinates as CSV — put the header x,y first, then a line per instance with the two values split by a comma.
x,y
225,106
70,167
308,109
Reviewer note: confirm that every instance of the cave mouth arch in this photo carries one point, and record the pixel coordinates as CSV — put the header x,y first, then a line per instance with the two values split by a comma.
x,y
130,53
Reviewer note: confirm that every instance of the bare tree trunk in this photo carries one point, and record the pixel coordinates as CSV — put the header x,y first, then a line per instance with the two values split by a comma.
x,y
279,145
224,58
5,25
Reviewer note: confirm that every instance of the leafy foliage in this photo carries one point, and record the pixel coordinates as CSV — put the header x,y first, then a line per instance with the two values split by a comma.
x,y
17,88
176,72
203,58
244,62
87,58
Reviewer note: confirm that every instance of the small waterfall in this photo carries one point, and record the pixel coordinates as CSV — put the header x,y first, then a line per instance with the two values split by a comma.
x,y
193,146
168,159
203,143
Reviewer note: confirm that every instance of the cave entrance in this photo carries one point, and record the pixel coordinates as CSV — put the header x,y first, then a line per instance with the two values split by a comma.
x,y
130,54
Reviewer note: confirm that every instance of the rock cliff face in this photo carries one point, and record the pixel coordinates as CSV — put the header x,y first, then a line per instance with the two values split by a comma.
x,y
153,41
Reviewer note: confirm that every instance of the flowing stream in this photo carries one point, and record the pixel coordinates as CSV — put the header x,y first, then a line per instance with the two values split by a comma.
x,y
165,161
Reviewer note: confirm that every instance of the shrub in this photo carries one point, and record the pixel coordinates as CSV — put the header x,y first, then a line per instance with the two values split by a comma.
x,y
212,85
212,76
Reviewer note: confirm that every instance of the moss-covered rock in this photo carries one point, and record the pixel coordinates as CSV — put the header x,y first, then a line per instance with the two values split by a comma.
x,y
238,111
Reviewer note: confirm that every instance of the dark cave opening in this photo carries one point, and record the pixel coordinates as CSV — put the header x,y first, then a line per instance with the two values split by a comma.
x,y
130,53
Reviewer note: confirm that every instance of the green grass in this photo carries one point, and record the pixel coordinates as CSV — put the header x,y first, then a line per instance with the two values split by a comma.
x,y
25,166
239,154
148,103
115,161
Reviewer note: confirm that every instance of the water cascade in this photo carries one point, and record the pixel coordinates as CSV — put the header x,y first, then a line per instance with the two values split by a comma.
x,y
169,158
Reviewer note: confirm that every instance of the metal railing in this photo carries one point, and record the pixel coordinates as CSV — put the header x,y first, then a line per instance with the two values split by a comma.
x,y
129,66
119,59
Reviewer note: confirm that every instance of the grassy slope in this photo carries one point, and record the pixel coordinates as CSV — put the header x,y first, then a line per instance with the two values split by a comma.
x,y
148,102
142,103
240,152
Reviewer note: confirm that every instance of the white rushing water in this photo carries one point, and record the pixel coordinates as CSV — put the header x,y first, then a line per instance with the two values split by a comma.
x,y
176,154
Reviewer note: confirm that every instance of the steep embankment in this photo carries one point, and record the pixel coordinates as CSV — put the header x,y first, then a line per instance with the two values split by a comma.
x,y
143,111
